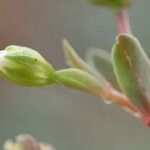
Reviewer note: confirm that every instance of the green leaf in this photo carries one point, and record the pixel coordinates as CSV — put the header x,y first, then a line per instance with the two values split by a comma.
x,y
132,69
83,81
74,60
112,3
25,66
100,61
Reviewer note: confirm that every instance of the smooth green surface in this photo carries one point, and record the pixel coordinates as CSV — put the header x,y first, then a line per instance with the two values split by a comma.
x,y
24,66
82,81
132,68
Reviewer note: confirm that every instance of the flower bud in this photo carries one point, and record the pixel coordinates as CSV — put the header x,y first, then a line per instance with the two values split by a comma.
x,y
112,3
26,142
25,66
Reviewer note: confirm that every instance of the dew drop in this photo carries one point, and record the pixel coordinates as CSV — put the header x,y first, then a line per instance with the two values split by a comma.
x,y
107,102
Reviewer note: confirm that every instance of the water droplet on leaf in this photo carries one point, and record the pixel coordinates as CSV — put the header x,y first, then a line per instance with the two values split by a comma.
x,y
108,102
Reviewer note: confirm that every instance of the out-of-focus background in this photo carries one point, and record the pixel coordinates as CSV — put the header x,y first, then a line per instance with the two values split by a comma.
x,y
67,119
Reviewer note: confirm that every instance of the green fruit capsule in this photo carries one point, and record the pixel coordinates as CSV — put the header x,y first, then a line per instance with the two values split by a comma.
x,y
25,66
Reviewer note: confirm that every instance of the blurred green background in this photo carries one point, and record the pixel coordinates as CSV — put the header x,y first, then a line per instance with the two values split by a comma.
x,y
67,119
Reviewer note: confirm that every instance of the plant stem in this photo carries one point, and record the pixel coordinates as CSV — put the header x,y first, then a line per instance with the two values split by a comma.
x,y
122,100
123,23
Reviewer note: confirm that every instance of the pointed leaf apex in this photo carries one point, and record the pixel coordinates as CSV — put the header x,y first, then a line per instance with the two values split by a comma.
x,y
73,59
76,61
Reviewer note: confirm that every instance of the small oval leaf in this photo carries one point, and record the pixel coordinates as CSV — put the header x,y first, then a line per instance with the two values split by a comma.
x,y
83,81
132,69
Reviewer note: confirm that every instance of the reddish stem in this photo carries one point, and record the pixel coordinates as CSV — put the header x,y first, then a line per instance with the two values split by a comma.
x,y
123,23
122,100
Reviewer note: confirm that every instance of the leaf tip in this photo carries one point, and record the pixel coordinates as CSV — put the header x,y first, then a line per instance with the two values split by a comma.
x,y
121,37
124,37
64,41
